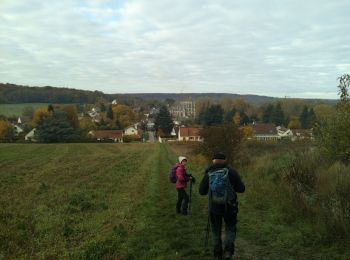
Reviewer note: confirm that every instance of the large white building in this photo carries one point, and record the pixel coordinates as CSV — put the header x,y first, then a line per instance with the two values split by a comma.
x,y
183,109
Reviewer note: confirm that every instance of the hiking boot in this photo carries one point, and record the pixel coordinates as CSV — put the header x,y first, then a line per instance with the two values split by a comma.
x,y
227,255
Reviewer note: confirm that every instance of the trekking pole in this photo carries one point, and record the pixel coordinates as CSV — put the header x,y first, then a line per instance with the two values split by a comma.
x,y
190,199
207,233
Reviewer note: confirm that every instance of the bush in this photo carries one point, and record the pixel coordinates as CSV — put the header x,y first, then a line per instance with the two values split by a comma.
x,y
131,138
227,139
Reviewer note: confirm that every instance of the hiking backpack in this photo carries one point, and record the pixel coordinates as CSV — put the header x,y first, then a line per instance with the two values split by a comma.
x,y
220,188
172,175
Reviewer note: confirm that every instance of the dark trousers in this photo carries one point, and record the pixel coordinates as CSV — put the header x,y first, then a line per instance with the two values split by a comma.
x,y
230,232
182,201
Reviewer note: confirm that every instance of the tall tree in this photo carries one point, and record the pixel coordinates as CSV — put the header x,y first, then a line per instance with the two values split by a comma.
x,y
266,118
277,116
164,121
56,128
311,118
109,113
304,118
214,115
244,118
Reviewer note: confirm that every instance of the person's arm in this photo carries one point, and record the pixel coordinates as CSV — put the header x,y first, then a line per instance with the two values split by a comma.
x,y
204,185
236,181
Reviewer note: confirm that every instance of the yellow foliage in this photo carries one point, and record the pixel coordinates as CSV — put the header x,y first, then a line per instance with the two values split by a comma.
x,y
247,131
6,130
124,114
39,115
72,116
294,123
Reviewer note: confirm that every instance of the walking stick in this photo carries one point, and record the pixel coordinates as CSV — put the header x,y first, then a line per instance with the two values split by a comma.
x,y
207,233
190,199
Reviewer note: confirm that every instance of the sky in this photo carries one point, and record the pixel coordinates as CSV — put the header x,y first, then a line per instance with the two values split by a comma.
x,y
280,48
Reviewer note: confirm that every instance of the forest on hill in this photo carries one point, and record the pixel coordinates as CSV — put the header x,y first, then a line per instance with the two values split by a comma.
x,y
14,94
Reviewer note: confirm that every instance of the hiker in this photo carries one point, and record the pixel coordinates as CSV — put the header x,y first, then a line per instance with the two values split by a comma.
x,y
181,183
221,183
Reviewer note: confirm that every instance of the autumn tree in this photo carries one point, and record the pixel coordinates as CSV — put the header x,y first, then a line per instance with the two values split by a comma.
x,y
71,113
294,123
7,131
124,115
39,115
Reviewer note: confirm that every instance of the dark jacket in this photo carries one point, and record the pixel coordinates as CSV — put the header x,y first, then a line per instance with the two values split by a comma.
x,y
236,183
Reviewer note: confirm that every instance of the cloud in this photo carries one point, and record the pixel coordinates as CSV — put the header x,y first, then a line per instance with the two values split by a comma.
x,y
275,47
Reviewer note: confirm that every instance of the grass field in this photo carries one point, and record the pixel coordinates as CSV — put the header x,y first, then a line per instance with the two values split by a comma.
x,y
17,109
114,201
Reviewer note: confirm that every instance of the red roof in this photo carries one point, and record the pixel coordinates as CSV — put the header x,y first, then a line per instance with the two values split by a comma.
x,y
108,134
189,131
264,129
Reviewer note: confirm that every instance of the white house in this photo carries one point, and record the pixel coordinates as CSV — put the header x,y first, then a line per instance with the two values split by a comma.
x,y
284,132
30,137
131,130
18,129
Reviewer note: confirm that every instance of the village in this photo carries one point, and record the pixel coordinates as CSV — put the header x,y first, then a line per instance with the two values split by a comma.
x,y
119,123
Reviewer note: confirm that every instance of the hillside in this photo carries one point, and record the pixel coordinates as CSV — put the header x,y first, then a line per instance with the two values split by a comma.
x,y
13,94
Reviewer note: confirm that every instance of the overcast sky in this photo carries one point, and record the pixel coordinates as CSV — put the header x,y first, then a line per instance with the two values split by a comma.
x,y
278,48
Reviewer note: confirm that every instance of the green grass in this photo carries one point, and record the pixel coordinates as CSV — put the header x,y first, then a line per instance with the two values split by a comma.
x,y
92,201
17,109
114,201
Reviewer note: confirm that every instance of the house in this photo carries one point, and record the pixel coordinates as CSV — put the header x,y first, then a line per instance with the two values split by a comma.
x,y
284,132
300,134
189,134
131,130
30,137
95,114
265,132
18,129
104,135
173,132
